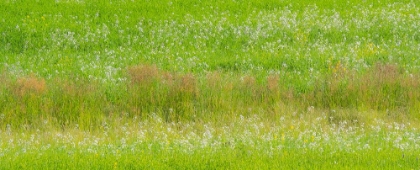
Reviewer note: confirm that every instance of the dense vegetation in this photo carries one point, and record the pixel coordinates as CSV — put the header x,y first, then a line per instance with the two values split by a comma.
x,y
267,83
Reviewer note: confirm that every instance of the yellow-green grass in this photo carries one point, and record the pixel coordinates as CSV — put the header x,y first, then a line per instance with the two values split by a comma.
x,y
385,90
176,84
245,142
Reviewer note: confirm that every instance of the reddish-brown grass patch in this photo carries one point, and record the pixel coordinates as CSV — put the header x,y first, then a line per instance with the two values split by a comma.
x,y
30,84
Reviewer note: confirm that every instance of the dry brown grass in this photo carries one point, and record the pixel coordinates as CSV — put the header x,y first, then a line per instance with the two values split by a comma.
x,y
75,89
273,83
30,85
168,78
143,74
188,84
249,82
383,74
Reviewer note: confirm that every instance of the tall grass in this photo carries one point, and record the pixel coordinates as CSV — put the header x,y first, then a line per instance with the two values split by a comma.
x,y
122,84
175,96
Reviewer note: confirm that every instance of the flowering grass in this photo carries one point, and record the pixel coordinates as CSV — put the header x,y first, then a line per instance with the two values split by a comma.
x,y
384,90
242,142
208,85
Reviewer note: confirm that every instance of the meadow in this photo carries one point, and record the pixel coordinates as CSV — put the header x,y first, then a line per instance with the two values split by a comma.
x,y
186,84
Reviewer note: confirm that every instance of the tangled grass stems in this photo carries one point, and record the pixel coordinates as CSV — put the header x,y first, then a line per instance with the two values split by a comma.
x,y
176,97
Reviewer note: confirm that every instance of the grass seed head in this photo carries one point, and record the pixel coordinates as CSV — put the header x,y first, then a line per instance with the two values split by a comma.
x,y
188,84
273,83
143,74
30,84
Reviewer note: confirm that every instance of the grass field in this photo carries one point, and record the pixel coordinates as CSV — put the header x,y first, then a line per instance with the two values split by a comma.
x,y
188,84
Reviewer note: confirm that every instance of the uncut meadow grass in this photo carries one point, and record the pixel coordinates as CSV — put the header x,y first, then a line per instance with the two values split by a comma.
x,y
258,84
248,142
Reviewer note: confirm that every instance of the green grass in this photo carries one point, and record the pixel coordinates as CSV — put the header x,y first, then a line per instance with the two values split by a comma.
x,y
222,84
243,142
206,159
